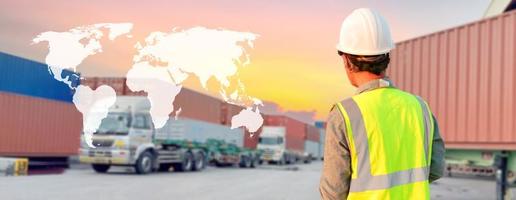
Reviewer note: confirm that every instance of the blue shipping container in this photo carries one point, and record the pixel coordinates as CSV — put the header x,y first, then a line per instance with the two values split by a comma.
x,y
26,77
319,124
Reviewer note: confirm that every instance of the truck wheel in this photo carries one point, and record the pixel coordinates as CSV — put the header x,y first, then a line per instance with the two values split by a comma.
x,y
281,161
254,162
308,160
249,162
144,163
245,162
186,165
200,162
100,168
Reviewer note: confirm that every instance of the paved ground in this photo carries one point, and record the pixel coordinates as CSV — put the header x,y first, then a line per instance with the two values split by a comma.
x,y
266,182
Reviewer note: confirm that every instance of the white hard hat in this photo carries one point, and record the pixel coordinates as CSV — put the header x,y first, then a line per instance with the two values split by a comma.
x,y
365,32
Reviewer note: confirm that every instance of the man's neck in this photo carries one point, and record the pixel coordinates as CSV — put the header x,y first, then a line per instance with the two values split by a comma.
x,y
367,77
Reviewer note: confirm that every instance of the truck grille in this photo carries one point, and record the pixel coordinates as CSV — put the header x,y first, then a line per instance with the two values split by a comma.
x,y
268,153
99,153
102,143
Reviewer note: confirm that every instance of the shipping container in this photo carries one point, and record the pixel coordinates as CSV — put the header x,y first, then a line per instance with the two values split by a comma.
x,y
29,78
198,106
312,133
193,104
467,75
295,130
322,137
227,112
251,139
312,148
37,127
199,131
320,124
38,119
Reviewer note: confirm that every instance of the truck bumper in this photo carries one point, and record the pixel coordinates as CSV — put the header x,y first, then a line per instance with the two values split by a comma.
x,y
270,157
105,156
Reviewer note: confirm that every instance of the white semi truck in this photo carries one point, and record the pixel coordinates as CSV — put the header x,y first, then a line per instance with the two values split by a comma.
x,y
276,147
127,137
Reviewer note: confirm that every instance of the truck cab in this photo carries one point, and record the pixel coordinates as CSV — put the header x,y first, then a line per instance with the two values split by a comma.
x,y
272,142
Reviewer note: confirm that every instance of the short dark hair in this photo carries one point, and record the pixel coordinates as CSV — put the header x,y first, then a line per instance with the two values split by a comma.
x,y
375,64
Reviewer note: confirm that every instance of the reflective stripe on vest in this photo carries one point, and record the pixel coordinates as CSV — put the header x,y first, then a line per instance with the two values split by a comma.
x,y
359,138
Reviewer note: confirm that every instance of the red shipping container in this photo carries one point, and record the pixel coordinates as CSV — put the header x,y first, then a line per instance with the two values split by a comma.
x,y
118,84
193,104
312,133
467,75
198,106
296,131
251,139
230,110
38,127
90,82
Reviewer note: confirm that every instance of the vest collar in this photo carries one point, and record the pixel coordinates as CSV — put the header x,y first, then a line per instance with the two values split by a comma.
x,y
374,84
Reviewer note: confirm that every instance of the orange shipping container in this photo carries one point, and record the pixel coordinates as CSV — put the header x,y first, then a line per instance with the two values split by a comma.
x,y
468,76
34,127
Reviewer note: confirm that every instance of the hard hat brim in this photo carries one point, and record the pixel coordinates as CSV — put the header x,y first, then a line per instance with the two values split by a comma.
x,y
363,52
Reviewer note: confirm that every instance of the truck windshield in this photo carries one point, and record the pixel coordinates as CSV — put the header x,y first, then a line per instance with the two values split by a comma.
x,y
271,140
115,124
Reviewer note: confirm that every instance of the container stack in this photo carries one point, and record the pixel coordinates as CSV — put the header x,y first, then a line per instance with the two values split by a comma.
x,y
38,119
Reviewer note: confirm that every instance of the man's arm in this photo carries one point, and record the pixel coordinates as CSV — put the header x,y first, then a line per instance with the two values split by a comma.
x,y
437,163
336,174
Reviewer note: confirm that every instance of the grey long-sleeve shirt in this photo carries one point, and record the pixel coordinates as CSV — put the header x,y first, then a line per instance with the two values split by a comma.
x,y
336,174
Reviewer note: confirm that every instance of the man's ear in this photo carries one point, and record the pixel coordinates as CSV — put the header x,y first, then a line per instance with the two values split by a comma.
x,y
348,65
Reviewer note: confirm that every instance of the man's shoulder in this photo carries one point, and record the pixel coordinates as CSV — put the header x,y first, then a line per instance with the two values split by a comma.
x,y
334,107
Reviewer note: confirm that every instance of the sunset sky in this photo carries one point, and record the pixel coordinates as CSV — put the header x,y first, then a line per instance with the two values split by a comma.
x,y
294,62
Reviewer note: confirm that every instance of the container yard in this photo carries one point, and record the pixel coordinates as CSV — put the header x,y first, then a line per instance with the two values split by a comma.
x,y
50,142
459,56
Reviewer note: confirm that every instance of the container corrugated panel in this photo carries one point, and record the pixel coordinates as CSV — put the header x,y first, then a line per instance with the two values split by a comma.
x,y
118,84
228,111
199,131
312,148
198,106
38,127
251,139
296,132
467,75
322,138
312,133
26,77
90,82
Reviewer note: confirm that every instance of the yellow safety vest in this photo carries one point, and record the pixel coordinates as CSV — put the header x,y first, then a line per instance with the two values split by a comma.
x,y
390,140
